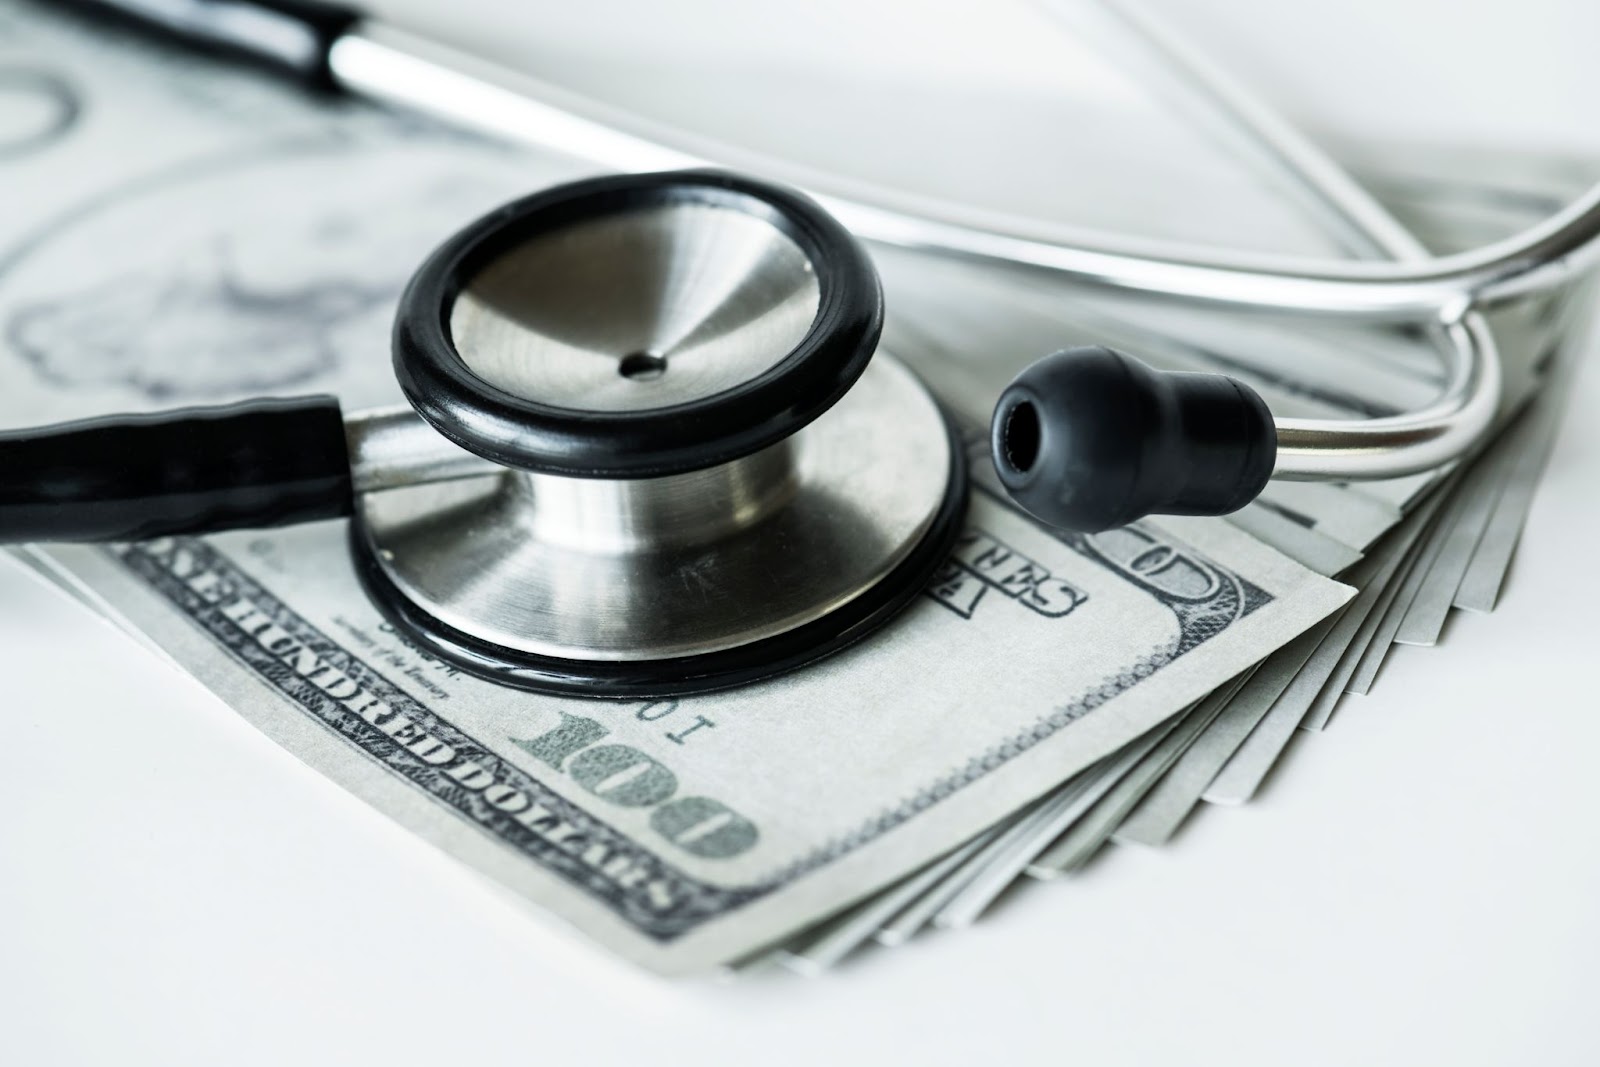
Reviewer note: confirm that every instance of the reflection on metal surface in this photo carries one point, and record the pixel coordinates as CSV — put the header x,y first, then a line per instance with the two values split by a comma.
x,y
390,447
558,567
678,511
645,308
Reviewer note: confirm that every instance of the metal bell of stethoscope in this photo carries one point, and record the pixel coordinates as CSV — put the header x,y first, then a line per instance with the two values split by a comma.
x,y
806,513
653,448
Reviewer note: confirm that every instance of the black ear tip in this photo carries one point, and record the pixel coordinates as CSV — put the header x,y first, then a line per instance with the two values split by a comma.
x,y
1088,439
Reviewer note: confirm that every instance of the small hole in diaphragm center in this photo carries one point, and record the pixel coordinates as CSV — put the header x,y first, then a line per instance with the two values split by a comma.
x,y
642,366
1021,437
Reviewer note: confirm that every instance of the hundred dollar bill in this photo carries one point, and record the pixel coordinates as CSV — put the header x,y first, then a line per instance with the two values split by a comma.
x,y
193,235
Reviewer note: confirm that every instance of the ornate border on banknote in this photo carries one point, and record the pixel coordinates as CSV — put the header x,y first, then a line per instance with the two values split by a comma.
x,y
342,692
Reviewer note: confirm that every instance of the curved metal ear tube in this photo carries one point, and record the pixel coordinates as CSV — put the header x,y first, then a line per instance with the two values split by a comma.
x,y
365,56
1088,439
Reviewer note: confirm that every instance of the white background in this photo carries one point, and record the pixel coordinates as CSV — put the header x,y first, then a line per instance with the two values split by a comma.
x,y
1418,885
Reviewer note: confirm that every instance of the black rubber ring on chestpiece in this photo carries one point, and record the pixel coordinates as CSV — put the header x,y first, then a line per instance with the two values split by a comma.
x,y
658,441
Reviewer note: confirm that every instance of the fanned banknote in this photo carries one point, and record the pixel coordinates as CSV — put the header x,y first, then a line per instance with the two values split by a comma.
x,y
194,236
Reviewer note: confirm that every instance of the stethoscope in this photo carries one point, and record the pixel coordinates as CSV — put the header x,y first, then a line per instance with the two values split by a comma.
x,y
652,448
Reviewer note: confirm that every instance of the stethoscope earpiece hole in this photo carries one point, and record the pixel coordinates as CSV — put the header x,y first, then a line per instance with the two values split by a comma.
x,y
1019,433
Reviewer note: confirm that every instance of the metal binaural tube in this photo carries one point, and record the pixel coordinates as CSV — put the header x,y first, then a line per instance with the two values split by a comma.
x,y
392,65
326,44
330,45
1397,445
1317,449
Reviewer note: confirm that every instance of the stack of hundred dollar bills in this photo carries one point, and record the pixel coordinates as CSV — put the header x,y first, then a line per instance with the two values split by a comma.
x,y
175,232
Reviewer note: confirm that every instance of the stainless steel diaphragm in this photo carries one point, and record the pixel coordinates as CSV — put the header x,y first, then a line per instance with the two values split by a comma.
x,y
708,474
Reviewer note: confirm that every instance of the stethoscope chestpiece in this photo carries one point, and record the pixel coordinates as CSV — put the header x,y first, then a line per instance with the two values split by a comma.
x,y
709,476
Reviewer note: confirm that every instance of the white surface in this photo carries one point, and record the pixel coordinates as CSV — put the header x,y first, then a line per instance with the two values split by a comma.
x,y
1418,885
